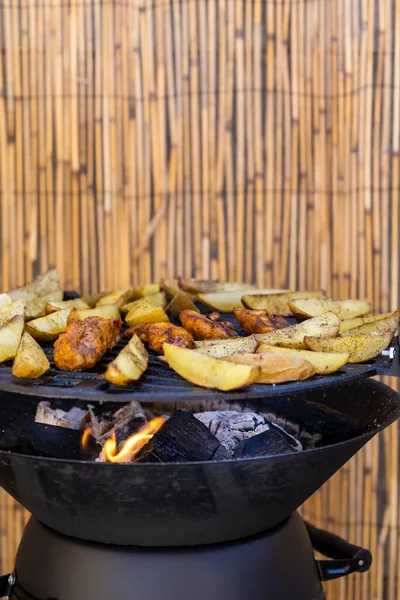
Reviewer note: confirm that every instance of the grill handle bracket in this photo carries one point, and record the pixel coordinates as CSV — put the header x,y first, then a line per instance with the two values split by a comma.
x,y
346,558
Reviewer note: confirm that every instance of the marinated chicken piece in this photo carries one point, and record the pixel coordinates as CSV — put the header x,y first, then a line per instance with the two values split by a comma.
x,y
258,321
85,342
206,328
156,334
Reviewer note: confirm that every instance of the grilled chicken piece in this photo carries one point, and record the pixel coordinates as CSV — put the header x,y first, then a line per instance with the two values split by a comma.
x,y
155,334
85,342
206,328
258,321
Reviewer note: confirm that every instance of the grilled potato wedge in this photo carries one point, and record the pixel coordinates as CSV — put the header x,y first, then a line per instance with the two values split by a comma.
x,y
145,312
207,371
30,361
352,323
145,290
388,323
37,308
323,362
130,363
12,318
293,337
120,297
108,311
181,301
304,308
158,299
5,300
48,328
44,284
93,299
75,303
274,368
221,348
360,348
205,286
228,301
277,304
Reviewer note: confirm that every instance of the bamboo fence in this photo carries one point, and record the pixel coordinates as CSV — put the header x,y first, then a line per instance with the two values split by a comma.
x,y
254,140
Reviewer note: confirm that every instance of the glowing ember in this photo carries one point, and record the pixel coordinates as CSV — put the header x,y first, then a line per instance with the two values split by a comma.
x,y
133,444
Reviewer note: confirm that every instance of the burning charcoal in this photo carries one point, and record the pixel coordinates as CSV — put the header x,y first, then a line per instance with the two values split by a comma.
x,y
269,443
123,423
182,438
69,419
232,427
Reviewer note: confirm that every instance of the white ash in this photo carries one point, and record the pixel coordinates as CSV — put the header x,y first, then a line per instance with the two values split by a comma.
x,y
70,419
231,427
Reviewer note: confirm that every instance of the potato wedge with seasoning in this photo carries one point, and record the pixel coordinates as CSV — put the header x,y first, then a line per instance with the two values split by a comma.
x,y
304,308
92,299
207,371
5,300
145,290
74,303
158,299
352,323
108,311
37,308
30,361
362,348
228,301
12,319
48,328
221,348
390,323
119,298
293,336
129,365
274,368
324,363
145,312
44,284
181,301
277,304
206,286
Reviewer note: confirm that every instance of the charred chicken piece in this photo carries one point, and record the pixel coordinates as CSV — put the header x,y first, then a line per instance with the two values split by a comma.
x,y
155,334
206,328
85,342
258,321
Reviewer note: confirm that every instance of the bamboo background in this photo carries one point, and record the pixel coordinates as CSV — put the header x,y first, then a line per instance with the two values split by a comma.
x,y
254,140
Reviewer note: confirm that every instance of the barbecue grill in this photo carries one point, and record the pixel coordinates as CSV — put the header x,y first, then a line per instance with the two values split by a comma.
x,y
221,530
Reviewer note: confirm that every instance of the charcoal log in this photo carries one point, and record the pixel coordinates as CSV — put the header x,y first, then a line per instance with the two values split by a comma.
x,y
182,438
70,419
268,443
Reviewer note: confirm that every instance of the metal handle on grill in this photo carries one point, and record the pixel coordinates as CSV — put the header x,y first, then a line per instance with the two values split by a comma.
x,y
347,558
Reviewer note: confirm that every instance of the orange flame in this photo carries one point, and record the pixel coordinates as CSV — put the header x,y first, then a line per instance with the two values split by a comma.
x,y
133,444
87,434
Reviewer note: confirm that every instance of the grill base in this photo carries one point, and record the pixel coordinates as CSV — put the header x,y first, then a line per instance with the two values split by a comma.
x,y
276,565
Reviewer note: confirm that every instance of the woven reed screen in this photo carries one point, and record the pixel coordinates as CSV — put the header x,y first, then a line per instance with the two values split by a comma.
x,y
252,140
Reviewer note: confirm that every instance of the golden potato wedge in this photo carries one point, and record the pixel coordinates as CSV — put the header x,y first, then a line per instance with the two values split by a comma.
x,y
274,368
130,363
221,348
228,301
145,312
352,323
74,303
362,348
44,284
208,371
277,304
108,311
390,323
37,308
205,286
324,362
93,299
119,297
159,299
304,308
30,361
12,319
293,337
181,301
5,300
145,290
48,328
